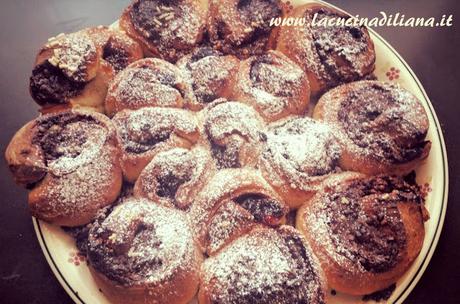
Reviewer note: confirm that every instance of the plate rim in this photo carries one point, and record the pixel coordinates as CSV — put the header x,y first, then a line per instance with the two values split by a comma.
x,y
434,241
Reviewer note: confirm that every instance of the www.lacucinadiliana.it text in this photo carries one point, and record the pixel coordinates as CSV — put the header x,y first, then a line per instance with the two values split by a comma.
x,y
396,20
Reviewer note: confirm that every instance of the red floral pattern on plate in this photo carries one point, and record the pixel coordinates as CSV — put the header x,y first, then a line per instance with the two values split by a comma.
x,y
289,6
76,258
393,73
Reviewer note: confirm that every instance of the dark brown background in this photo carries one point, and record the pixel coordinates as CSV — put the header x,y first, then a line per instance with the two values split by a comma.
x,y
433,53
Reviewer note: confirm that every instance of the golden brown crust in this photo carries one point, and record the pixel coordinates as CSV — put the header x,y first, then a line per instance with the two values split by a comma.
x,y
366,231
274,85
73,70
242,28
239,199
381,126
71,161
147,131
116,50
234,132
148,82
298,156
168,30
328,61
174,177
211,74
64,67
144,253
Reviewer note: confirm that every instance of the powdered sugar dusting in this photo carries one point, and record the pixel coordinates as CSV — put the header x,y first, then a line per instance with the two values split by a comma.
x,y
275,85
332,54
80,191
266,266
377,120
233,118
142,130
230,221
96,137
155,83
142,243
299,151
357,225
174,177
210,73
72,53
172,28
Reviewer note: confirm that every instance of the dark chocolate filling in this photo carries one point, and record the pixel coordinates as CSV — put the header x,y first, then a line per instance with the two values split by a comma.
x,y
373,119
145,75
263,208
147,141
225,156
203,53
49,85
303,265
145,17
205,83
366,218
204,97
380,295
56,140
336,45
300,286
256,14
116,56
113,260
168,184
259,12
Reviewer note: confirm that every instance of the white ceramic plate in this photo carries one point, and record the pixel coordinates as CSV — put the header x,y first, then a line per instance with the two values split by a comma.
x,y
72,272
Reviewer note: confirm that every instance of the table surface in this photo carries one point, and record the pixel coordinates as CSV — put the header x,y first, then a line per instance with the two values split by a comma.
x,y
433,53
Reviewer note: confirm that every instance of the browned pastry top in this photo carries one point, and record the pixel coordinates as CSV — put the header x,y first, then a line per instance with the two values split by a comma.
x,y
64,70
116,56
238,215
274,85
384,119
69,140
235,197
144,129
229,126
210,72
175,168
268,75
171,25
300,149
115,47
332,55
141,243
266,266
362,222
205,65
344,42
148,82
242,27
170,173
